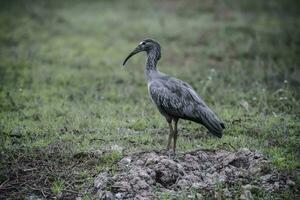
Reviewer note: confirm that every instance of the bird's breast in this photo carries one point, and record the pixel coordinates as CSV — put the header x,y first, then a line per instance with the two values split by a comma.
x,y
149,85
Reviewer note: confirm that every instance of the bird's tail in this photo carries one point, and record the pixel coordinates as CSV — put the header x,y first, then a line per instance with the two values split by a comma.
x,y
211,122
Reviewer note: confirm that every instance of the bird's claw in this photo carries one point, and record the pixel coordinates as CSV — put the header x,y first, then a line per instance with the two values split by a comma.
x,y
170,153
175,156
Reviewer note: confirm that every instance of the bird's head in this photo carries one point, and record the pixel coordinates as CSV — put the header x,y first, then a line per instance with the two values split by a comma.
x,y
147,45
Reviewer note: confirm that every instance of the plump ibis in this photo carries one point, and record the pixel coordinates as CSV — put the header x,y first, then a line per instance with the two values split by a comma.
x,y
175,99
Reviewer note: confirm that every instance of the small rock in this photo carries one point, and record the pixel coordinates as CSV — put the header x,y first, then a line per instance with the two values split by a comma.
x,y
276,185
266,178
122,186
139,197
230,158
117,148
245,105
108,196
246,194
101,180
199,196
33,197
247,187
139,162
125,161
143,174
199,185
182,184
119,195
142,184
290,183
227,193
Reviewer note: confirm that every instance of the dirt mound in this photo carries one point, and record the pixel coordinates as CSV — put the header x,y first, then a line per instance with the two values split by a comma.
x,y
145,175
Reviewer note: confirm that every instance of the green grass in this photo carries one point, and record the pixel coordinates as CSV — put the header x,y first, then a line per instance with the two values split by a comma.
x,y
62,82
57,187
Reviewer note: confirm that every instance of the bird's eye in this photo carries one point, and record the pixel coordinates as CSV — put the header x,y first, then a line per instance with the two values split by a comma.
x,y
143,43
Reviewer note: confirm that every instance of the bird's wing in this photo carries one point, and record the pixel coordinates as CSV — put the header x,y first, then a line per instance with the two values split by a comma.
x,y
178,99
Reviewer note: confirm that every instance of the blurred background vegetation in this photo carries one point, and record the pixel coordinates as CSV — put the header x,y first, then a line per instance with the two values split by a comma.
x,y
64,96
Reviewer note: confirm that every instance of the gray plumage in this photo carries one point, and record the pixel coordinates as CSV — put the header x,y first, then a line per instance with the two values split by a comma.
x,y
177,99
174,98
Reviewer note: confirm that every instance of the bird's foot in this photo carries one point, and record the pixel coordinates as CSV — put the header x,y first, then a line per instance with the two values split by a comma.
x,y
169,153
175,156
172,155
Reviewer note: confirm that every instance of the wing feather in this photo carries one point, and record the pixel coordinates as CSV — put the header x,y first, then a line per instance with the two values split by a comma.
x,y
178,99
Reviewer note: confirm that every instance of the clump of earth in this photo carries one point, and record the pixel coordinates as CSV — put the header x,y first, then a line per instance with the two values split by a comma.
x,y
146,175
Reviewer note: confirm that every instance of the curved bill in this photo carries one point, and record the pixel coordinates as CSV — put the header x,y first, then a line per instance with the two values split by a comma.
x,y
135,51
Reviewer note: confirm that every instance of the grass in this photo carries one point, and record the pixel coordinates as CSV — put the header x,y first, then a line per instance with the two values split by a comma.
x,y
63,92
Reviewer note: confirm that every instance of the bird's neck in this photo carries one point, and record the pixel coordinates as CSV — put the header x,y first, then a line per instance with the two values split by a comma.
x,y
152,58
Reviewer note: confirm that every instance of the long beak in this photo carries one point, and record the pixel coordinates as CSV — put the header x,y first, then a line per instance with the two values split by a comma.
x,y
135,51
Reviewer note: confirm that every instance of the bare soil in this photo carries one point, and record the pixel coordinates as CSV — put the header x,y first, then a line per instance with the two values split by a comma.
x,y
220,173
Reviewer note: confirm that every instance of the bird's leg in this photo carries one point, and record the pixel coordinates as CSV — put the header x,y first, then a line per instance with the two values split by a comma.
x,y
175,135
170,134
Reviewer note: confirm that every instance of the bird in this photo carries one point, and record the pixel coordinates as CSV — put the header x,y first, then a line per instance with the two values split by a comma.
x,y
174,98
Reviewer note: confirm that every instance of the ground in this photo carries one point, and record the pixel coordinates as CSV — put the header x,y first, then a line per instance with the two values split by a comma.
x,y
69,111
197,174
